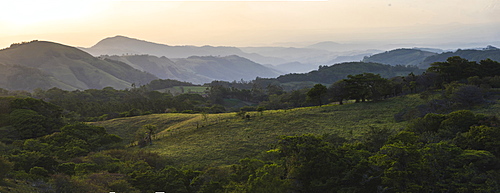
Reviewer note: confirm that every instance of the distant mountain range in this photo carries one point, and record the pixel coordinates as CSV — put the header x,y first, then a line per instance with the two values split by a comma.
x,y
40,64
124,61
121,45
198,69
285,59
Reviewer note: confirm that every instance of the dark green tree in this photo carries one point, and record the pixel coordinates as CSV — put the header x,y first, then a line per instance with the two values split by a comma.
x,y
454,69
367,86
317,93
338,92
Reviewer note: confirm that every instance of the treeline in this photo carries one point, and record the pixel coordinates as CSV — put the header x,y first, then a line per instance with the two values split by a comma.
x,y
452,75
108,103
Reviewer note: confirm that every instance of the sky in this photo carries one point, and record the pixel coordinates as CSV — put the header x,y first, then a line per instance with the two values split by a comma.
x,y
252,23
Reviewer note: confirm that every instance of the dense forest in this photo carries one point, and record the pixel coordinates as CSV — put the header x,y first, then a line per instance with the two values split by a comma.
x,y
444,147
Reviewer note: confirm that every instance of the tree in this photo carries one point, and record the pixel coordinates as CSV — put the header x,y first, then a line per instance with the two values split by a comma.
x,y
150,132
468,96
481,138
488,67
367,85
338,92
454,69
317,93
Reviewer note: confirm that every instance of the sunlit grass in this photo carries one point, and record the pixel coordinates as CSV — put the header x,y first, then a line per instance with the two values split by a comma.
x,y
220,139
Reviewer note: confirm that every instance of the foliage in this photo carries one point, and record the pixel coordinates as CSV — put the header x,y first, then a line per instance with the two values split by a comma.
x,y
317,94
334,73
5,167
458,69
27,118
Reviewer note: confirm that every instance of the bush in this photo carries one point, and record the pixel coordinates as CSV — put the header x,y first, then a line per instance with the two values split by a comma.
x,y
5,167
468,96
39,171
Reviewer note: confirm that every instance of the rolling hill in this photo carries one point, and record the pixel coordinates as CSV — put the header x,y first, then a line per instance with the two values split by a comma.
x,y
161,67
221,139
403,57
471,55
226,68
198,69
330,74
41,64
423,57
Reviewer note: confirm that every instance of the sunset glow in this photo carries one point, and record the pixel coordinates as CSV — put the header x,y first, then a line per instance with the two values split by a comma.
x,y
242,23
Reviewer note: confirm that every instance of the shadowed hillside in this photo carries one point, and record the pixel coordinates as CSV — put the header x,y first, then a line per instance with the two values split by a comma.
x,y
46,64
404,57
198,69
471,55
226,68
331,74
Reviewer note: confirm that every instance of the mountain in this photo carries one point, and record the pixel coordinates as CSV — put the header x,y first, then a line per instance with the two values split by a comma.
x,y
327,45
197,69
320,54
227,68
161,67
121,45
42,64
403,57
472,55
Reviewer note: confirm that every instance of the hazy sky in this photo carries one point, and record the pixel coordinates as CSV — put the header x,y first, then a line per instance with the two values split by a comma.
x,y
253,23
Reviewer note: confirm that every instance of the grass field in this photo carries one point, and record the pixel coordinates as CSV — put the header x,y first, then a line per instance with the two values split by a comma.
x,y
221,139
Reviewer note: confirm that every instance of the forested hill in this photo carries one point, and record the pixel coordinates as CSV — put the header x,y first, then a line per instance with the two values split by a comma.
x,y
334,73
41,64
490,52
400,57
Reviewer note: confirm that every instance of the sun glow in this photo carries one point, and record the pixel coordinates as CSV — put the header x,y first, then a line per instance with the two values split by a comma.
x,y
30,12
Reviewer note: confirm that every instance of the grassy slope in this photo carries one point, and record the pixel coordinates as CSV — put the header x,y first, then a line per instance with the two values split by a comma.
x,y
69,68
127,127
219,139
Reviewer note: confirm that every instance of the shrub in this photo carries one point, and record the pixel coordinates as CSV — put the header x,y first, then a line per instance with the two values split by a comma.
x,y
468,96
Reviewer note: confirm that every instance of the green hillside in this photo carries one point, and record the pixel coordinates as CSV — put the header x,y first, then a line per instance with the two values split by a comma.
x,y
221,139
331,74
225,138
56,65
404,57
471,55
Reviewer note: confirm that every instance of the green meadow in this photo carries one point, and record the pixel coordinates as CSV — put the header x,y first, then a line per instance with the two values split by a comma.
x,y
222,139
